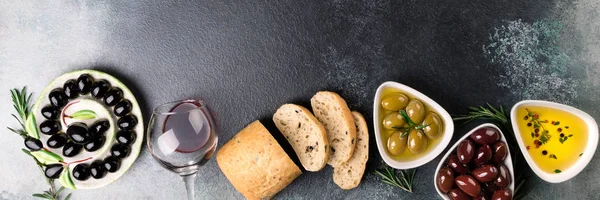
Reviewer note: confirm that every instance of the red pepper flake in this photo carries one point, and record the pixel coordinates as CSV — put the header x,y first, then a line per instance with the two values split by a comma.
x,y
552,123
528,147
537,135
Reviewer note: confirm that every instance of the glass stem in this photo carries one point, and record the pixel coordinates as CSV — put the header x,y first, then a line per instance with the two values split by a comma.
x,y
190,180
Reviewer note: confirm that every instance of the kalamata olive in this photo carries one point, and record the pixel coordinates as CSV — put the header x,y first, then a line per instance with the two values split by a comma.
x,y
483,155
416,111
445,179
489,188
70,88
468,185
71,149
57,98
122,108
97,169
457,194
99,127
417,141
50,112
433,125
84,83
94,144
395,144
456,165
481,197
485,173
81,172
485,136
57,141
120,150
393,120
503,194
504,177
50,127
394,101
465,151
99,89
111,164
53,171
127,122
78,133
113,96
500,152
33,144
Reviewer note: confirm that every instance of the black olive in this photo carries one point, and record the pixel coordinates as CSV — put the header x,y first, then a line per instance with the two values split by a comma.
x,y
58,98
57,140
125,137
50,112
120,150
53,171
113,96
122,108
99,128
71,89
50,127
94,144
81,172
97,169
127,122
100,88
33,144
111,164
78,133
84,83
71,149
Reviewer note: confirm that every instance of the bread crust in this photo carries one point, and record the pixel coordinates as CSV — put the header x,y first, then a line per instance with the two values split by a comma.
x,y
255,163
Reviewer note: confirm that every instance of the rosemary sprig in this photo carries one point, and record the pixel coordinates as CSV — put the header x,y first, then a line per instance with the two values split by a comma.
x,y
411,124
500,118
404,181
21,103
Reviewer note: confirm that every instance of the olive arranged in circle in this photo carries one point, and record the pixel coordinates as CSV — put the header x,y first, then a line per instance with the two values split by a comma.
x,y
84,83
113,96
417,141
100,88
53,171
416,111
394,101
393,120
120,150
94,144
71,149
433,125
58,98
97,169
33,144
396,144
71,89
81,172
78,133
57,140
99,128
112,164
123,108
50,127
125,137
127,122
50,112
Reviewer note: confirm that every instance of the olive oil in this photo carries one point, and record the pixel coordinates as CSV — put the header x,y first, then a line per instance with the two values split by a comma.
x,y
386,133
555,139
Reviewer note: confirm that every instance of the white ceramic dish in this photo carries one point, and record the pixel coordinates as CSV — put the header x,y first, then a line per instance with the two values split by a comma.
x,y
381,145
590,148
507,161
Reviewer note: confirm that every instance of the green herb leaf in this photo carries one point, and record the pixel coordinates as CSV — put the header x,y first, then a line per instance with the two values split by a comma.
x,y
570,135
557,171
556,123
580,154
404,134
68,197
406,118
84,114
404,181
42,196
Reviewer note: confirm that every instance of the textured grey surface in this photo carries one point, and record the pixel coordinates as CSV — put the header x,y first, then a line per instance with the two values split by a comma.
x,y
247,58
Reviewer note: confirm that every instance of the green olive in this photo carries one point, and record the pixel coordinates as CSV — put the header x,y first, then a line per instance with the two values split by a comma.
x,y
417,142
433,125
416,111
396,144
394,101
393,119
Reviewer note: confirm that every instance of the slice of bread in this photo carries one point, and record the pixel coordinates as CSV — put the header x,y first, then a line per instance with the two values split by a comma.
x,y
255,164
349,174
306,135
333,112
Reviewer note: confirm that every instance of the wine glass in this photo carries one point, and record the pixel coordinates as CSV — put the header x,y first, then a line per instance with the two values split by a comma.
x,y
182,137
